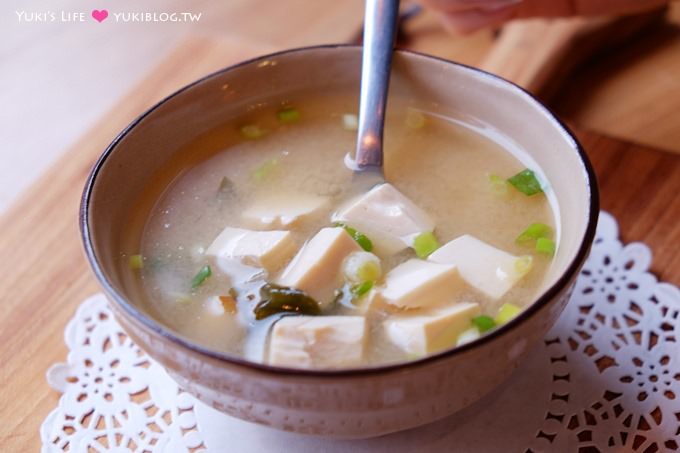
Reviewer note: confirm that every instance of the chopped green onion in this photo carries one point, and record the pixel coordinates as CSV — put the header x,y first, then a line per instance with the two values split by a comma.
x,y
483,323
415,119
498,185
545,246
468,335
350,122
288,115
183,299
180,297
425,243
361,289
226,186
361,238
523,264
265,170
136,262
361,267
525,181
534,231
363,241
506,313
252,131
201,277
369,271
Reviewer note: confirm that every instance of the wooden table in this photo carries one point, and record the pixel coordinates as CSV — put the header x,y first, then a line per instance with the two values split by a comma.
x,y
45,276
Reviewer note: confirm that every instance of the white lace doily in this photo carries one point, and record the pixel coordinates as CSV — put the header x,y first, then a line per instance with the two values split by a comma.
x,y
606,378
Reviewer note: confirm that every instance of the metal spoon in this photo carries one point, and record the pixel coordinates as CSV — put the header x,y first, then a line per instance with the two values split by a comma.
x,y
380,27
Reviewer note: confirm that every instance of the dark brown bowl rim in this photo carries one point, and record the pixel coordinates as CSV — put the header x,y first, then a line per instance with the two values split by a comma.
x,y
526,314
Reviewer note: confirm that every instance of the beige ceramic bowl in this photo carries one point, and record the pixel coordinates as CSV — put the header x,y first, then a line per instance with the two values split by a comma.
x,y
358,402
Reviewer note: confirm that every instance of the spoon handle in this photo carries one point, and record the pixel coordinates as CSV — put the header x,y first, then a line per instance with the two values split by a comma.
x,y
380,25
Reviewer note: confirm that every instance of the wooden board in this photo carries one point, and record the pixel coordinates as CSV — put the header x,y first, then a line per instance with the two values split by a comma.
x,y
45,276
630,91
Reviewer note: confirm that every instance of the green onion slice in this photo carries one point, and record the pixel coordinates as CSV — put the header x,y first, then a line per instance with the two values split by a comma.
x,y
523,264
506,313
363,240
136,262
265,170
525,181
361,289
467,336
361,267
252,131
369,271
498,185
545,246
425,243
534,231
201,277
288,115
483,323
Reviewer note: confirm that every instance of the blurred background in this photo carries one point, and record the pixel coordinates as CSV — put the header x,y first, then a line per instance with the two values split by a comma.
x,y
59,78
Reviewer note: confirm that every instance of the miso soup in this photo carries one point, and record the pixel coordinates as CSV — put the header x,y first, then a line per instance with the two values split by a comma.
x,y
254,242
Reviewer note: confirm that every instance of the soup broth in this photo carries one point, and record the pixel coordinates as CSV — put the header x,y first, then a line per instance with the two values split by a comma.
x,y
294,153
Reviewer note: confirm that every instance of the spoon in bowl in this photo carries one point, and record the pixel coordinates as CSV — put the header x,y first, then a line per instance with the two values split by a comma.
x,y
380,27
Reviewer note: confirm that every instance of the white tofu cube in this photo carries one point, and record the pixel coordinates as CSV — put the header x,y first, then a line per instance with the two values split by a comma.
x,y
317,267
318,341
419,283
283,209
389,219
484,267
266,249
432,330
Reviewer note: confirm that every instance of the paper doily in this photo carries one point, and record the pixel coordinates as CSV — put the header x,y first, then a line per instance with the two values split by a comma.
x,y
606,378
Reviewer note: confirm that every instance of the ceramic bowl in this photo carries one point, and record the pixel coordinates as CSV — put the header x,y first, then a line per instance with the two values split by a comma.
x,y
357,402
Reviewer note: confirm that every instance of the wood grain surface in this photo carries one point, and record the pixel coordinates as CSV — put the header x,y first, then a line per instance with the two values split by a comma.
x,y
630,91
540,54
632,94
45,275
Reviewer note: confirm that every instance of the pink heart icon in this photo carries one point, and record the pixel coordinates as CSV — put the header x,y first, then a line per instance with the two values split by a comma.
x,y
100,15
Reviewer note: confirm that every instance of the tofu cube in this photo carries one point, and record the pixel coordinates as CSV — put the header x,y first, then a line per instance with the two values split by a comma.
x,y
283,209
484,267
266,249
419,283
317,267
318,341
387,217
431,330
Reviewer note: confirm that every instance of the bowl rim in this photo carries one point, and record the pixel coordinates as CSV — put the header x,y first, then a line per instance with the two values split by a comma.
x,y
233,360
